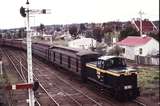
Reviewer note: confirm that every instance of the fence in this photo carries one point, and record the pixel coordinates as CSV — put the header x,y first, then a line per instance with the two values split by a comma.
x,y
147,60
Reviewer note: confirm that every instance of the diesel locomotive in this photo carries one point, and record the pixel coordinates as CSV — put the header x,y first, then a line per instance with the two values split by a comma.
x,y
110,72
113,73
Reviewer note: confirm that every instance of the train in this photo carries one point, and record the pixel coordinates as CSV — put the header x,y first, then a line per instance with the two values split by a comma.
x,y
110,72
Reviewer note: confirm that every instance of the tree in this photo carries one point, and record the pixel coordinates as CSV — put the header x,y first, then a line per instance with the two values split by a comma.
x,y
116,50
155,35
104,24
82,28
89,34
73,31
22,33
58,29
108,34
98,34
129,31
41,28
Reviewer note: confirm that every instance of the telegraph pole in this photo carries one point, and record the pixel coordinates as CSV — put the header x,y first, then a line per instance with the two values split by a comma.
x,y
141,13
29,58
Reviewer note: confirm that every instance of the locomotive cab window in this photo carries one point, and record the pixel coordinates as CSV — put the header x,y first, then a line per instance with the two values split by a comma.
x,y
113,63
101,64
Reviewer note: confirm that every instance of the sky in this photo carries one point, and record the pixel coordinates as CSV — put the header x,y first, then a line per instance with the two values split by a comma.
x,y
76,11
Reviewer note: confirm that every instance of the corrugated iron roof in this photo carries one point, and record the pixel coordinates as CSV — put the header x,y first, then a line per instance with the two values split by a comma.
x,y
134,41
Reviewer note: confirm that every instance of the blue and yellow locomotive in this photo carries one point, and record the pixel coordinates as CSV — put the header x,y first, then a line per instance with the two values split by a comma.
x,y
113,73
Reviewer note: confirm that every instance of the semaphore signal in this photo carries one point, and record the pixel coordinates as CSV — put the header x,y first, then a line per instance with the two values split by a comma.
x,y
34,11
33,86
25,13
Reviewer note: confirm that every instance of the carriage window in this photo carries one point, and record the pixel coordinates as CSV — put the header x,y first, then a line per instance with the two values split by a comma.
x,y
69,62
60,58
76,65
54,56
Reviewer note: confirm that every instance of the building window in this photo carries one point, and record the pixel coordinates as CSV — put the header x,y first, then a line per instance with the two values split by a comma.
x,y
140,50
123,50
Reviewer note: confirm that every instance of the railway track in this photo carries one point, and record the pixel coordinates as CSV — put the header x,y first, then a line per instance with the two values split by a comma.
x,y
139,102
14,97
57,91
18,69
61,92
110,101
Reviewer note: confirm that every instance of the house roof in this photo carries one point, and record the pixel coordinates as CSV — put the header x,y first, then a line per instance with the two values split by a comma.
x,y
134,41
147,26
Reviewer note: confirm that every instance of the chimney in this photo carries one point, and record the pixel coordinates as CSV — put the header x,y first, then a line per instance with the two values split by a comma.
x,y
144,35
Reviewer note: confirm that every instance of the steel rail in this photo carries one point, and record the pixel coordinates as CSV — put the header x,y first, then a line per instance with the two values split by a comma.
x,y
139,102
9,57
78,103
40,85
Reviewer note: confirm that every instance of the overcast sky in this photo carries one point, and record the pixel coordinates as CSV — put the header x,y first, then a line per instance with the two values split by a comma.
x,y
76,11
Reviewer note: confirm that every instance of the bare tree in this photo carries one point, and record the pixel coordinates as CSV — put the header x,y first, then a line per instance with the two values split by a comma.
x,y
116,50
73,31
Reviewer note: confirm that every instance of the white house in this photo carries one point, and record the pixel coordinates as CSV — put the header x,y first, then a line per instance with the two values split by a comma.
x,y
142,46
83,43
47,37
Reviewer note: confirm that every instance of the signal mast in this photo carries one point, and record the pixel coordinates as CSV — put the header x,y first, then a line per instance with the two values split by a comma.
x,y
25,12
29,59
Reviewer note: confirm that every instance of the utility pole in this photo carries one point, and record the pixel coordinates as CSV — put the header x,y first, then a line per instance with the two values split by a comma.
x,y
29,58
141,13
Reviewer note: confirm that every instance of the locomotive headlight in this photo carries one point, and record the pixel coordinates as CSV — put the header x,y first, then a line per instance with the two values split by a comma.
x,y
128,87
